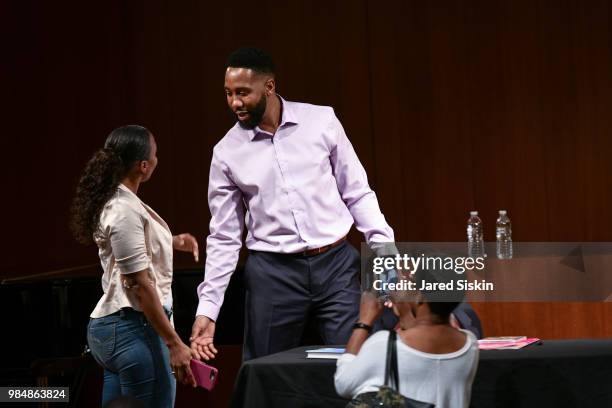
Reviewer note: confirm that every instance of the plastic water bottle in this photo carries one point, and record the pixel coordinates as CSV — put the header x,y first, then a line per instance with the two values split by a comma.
x,y
503,233
475,236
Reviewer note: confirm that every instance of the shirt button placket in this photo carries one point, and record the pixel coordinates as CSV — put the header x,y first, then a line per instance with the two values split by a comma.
x,y
282,164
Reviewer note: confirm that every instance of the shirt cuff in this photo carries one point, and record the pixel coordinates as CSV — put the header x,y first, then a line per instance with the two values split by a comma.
x,y
208,309
384,248
134,263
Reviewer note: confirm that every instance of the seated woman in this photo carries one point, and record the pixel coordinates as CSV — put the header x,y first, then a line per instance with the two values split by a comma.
x,y
437,362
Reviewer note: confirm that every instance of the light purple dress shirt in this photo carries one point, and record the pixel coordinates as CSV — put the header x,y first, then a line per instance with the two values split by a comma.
x,y
298,189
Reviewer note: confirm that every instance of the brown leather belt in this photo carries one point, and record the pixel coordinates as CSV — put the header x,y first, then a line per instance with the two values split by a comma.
x,y
323,249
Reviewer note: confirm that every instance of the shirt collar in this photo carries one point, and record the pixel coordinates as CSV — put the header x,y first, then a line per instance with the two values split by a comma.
x,y
149,210
127,190
288,117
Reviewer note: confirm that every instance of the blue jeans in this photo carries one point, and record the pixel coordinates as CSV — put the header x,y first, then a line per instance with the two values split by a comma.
x,y
136,361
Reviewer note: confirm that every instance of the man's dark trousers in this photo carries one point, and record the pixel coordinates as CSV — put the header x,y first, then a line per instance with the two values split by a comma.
x,y
283,290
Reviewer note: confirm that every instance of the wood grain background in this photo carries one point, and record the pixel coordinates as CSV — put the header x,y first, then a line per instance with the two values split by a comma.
x,y
451,106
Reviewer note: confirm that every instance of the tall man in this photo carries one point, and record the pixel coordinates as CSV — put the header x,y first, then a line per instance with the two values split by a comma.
x,y
287,171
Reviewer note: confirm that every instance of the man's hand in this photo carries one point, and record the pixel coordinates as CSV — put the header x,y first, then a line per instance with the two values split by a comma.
x,y
186,243
202,335
370,308
180,358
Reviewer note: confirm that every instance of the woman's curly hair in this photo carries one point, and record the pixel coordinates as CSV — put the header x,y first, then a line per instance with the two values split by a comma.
x,y
103,173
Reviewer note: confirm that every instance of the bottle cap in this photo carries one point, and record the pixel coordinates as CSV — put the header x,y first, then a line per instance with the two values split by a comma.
x,y
502,212
473,213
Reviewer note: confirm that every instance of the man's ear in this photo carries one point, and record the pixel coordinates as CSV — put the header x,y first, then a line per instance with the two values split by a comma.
x,y
270,86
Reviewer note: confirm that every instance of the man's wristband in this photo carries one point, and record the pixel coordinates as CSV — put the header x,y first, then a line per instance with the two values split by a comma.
x,y
363,326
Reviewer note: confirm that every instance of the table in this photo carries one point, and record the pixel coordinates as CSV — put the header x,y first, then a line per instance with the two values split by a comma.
x,y
558,373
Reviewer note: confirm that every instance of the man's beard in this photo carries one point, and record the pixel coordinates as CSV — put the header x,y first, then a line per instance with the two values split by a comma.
x,y
255,114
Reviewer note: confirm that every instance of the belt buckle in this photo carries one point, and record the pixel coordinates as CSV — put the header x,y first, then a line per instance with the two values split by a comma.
x,y
312,252
320,250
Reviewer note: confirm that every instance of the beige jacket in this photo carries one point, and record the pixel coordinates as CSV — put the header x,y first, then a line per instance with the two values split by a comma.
x,y
131,237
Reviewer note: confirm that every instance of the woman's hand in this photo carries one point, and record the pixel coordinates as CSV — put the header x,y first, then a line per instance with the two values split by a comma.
x,y
180,359
370,308
186,243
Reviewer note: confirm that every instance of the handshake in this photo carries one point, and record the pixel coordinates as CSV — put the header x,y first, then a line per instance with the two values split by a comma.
x,y
202,348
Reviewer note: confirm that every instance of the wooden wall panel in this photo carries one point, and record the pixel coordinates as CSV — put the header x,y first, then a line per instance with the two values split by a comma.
x,y
452,106
545,320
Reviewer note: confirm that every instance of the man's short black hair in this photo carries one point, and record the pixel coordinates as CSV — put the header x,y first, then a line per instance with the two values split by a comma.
x,y
252,58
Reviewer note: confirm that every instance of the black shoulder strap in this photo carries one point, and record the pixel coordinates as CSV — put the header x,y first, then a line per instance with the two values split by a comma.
x,y
391,369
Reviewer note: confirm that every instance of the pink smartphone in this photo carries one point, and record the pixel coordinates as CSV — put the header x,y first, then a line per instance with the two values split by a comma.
x,y
205,375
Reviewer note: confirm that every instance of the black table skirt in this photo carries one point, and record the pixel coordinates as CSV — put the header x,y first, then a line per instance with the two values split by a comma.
x,y
558,373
